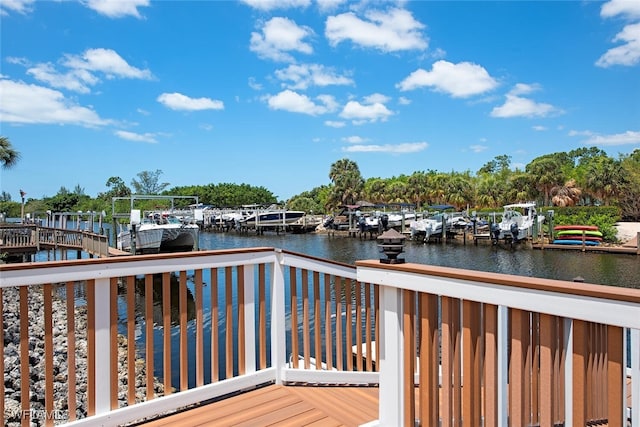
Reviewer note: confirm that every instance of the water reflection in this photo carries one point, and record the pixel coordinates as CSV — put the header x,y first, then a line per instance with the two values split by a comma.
x,y
599,268
158,299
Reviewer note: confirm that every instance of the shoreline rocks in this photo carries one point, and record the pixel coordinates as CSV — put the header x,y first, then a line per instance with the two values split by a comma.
x,y
11,325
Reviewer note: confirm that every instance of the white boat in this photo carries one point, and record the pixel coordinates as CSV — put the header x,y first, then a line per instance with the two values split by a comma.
x,y
159,233
431,226
168,230
518,220
272,216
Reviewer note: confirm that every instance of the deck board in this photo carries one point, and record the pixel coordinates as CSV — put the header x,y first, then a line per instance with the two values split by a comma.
x,y
283,406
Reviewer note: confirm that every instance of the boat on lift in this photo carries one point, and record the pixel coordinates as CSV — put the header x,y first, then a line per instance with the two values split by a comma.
x,y
518,221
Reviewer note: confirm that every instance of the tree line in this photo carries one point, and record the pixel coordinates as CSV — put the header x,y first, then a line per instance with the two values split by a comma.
x,y
580,177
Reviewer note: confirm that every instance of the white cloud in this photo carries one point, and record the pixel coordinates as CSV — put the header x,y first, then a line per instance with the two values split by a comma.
x,y
409,147
294,102
626,54
20,6
376,98
404,101
268,5
303,76
117,8
279,37
460,80
335,124
477,148
370,112
178,101
106,61
354,139
518,106
539,128
328,5
73,80
253,84
620,7
82,71
391,31
137,137
626,138
28,103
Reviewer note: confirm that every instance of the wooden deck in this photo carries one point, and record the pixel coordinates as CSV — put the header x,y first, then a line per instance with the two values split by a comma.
x,y
276,405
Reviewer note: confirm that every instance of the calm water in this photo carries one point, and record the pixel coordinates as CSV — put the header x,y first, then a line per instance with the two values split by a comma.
x,y
606,269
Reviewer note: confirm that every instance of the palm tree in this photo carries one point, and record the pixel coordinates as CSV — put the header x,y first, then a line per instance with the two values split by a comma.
x,y
8,155
347,181
566,195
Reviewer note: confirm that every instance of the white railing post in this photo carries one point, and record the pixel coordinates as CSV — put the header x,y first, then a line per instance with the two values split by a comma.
x,y
634,343
503,365
102,318
391,394
249,319
568,372
278,325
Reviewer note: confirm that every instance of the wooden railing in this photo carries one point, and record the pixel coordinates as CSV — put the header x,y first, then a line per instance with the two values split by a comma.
x,y
144,335
16,237
513,350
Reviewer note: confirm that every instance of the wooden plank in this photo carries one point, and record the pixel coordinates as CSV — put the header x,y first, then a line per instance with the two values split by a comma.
x,y
317,320
547,343
113,336
519,333
293,280
131,340
241,335
148,320
197,279
166,331
490,364
615,376
262,315
328,344
429,360
215,337
306,333
283,406
339,352
228,299
580,330
409,339
25,376
48,352
471,398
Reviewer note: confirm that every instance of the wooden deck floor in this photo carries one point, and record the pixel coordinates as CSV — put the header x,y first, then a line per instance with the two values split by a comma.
x,y
276,405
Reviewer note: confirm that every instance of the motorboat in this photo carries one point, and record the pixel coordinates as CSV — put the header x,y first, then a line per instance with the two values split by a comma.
x,y
170,229
518,221
159,233
431,226
272,216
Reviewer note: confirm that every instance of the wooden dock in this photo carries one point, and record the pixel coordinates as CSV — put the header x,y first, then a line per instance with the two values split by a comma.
x,y
22,241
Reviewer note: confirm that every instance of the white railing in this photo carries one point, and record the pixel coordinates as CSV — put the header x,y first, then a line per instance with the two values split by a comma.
x,y
466,336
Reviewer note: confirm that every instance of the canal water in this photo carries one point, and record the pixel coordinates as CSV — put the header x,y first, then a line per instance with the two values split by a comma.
x,y
598,268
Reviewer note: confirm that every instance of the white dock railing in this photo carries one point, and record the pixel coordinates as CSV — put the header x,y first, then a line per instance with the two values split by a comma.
x,y
472,347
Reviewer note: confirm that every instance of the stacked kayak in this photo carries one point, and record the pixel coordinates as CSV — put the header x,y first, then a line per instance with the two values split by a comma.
x,y
588,235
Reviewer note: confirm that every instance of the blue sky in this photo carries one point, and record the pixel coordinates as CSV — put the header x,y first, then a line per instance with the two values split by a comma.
x,y
271,93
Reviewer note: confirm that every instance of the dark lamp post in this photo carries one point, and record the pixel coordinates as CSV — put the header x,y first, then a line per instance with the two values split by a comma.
x,y
391,243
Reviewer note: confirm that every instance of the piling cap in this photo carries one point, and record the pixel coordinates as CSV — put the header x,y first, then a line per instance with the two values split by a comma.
x,y
391,235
